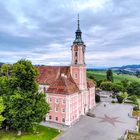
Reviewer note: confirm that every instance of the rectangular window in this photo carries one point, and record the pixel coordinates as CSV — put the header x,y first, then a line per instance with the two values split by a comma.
x,y
63,120
56,101
50,100
63,110
50,117
56,118
50,109
63,101
76,53
76,61
56,109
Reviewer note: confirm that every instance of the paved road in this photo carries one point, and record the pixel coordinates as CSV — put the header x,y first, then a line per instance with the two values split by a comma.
x,y
110,123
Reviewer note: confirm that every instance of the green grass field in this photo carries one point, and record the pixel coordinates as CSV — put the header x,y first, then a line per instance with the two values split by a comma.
x,y
45,133
101,75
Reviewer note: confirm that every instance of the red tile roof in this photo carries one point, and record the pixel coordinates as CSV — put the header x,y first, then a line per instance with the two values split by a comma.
x,y
63,85
48,74
59,79
90,83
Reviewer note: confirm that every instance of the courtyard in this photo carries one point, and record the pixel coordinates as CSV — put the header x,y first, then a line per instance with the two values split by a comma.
x,y
110,123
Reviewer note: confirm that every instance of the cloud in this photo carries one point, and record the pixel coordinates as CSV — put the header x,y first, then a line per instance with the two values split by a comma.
x,y
43,31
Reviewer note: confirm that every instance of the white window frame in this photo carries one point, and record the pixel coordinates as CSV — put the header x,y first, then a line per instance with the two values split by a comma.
x,y
63,110
63,101
57,101
56,109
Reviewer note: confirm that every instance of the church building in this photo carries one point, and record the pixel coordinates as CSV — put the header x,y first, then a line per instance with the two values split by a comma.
x,y
68,90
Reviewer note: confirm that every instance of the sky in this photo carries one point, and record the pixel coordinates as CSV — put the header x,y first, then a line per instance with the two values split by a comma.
x,y
44,30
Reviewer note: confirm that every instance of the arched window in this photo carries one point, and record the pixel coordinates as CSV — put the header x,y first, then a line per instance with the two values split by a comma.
x,y
76,53
76,61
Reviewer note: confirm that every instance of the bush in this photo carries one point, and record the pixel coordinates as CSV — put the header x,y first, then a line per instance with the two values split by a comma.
x,y
91,77
113,96
107,86
133,98
136,108
113,101
97,98
117,87
134,88
122,96
99,82
120,99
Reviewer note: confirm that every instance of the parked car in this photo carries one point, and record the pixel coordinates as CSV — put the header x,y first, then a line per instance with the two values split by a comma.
x,y
91,114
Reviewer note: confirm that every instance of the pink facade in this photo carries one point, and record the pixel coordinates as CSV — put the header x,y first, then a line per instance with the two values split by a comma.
x,y
66,109
68,91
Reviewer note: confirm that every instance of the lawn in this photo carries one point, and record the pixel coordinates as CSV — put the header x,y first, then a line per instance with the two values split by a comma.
x,y
101,75
45,133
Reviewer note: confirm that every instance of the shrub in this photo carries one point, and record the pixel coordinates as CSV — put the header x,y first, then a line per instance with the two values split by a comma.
x,y
107,86
134,88
122,96
117,87
113,96
136,108
133,98
112,101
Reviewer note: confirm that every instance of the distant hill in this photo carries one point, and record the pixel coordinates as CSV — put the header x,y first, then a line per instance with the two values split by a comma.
x,y
128,69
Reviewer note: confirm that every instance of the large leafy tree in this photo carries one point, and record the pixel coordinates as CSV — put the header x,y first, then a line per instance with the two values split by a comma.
x,y
134,88
109,75
24,106
5,93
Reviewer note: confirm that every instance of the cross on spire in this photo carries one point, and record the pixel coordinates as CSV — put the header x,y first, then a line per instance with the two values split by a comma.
x,y
78,22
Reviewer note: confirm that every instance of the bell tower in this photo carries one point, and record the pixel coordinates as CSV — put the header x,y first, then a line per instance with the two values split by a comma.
x,y
78,67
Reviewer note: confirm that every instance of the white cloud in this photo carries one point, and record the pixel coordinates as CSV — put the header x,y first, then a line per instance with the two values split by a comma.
x,y
43,31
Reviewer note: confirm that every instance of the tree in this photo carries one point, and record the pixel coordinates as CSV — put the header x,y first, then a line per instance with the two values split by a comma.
x,y
107,86
134,88
1,110
109,75
138,74
117,87
122,96
125,84
23,76
6,70
91,77
5,93
24,106
26,110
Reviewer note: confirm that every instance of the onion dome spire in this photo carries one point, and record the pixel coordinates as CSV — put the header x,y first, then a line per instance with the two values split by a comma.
x,y
78,34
